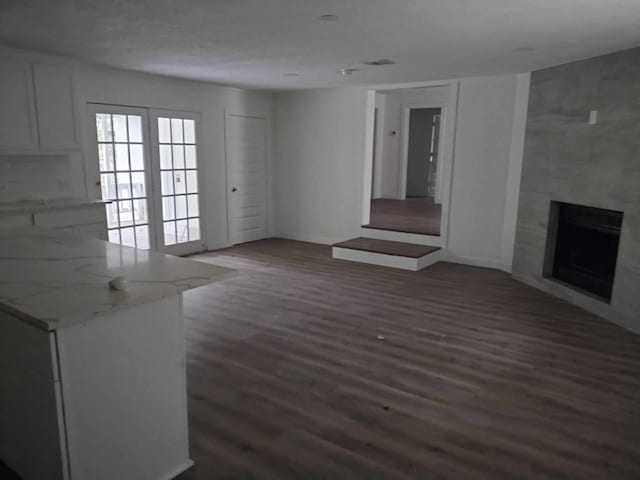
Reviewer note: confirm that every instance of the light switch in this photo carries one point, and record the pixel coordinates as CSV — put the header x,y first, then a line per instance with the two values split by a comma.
x,y
593,117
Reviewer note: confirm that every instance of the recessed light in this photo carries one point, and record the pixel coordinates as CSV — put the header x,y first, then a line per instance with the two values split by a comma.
x,y
329,18
349,71
291,74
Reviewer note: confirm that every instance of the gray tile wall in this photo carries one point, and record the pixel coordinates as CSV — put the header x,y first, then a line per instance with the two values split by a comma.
x,y
568,160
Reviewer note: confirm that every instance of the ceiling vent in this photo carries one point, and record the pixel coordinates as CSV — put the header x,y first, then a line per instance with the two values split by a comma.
x,y
382,61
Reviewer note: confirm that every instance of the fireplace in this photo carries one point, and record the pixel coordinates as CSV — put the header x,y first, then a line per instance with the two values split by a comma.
x,y
582,248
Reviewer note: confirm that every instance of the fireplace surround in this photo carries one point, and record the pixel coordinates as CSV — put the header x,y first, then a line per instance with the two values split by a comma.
x,y
568,159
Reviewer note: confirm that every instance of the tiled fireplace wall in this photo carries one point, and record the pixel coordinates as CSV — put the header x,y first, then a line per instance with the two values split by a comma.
x,y
568,160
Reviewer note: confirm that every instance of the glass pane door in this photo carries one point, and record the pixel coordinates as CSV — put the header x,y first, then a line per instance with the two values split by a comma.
x,y
123,178
179,182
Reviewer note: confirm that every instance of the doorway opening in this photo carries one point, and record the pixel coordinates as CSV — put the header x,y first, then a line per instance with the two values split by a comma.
x,y
149,172
422,153
411,159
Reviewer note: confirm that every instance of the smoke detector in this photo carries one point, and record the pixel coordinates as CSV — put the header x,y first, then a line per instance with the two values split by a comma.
x,y
382,61
329,18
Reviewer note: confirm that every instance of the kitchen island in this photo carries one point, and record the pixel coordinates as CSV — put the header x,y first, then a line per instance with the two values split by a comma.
x,y
92,379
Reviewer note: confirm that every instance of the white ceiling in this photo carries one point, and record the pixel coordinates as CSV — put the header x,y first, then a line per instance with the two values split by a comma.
x,y
253,43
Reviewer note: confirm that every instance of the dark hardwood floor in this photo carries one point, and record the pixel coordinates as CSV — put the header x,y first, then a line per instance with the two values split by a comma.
x,y
475,376
387,247
413,215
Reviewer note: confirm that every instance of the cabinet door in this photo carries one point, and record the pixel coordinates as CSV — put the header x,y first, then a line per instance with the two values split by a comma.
x,y
55,104
18,130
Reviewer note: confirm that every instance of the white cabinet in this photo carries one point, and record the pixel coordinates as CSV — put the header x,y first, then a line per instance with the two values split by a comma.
x,y
18,128
95,420
55,106
37,107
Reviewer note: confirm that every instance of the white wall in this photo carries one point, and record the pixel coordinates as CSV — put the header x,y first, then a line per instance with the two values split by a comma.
x,y
320,144
100,85
320,149
482,157
119,87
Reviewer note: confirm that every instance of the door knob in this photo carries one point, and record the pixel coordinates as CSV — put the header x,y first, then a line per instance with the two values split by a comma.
x,y
234,189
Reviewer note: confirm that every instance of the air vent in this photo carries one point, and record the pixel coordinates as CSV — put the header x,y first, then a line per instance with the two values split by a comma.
x,y
382,61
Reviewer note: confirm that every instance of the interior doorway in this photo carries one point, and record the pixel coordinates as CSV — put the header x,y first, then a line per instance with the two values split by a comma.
x,y
411,134
149,171
422,153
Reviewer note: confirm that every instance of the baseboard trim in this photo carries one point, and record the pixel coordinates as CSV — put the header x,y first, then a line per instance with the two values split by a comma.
x,y
474,261
180,470
301,237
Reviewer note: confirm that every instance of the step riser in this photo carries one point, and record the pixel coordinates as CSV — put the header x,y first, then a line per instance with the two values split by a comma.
x,y
430,240
383,260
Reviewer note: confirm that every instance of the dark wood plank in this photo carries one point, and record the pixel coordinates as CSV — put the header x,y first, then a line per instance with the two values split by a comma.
x,y
478,376
412,215
399,249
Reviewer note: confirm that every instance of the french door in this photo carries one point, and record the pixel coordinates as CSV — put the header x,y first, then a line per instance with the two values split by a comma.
x,y
176,171
149,170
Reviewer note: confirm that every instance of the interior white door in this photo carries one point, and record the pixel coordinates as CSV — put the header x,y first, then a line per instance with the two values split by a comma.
x,y
122,149
177,172
246,148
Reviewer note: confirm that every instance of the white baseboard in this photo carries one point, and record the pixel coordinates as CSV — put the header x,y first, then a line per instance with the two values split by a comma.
x,y
383,260
301,237
178,471
474,261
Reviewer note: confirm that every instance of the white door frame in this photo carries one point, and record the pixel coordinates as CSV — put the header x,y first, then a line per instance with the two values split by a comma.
x,y
94,108
404,146
152,170
184,248
228,186
447,154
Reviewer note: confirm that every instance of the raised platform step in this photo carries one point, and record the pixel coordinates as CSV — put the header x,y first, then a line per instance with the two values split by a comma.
x,y
403,237
407,256
435,232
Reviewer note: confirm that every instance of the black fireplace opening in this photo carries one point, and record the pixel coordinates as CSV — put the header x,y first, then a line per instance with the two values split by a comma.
x,y
582,247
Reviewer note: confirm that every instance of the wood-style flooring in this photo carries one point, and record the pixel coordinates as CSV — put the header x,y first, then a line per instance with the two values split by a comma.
x,y
304,367
386,247
413,215
474,376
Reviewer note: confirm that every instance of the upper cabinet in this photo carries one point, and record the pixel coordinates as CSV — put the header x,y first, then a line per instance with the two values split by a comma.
x,y
55,107
18,124
37,108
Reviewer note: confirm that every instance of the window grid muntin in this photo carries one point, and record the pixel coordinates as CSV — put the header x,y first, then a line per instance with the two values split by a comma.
x,y
118,200
173,222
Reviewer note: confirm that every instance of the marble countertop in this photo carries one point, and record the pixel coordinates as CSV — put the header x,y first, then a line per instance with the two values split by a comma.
x,y
29,206
52,279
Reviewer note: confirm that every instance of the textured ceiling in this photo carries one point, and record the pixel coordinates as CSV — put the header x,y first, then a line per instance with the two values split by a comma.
x,y
253,43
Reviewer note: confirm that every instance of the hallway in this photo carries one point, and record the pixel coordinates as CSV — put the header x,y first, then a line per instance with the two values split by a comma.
x,y
413,215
